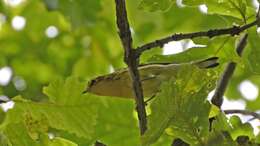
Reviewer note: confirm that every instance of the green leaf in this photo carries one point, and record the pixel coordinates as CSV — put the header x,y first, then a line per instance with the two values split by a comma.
x,y
214,111
221,123
116,123
254,60
80,12
258,138
222,47
65,93
156,5
56,141
220,139
234,8
182,23
13,131
193,2
2,115
253,105
80,141
165,139
219,134
240,129
182,105
4,140
18,136
61,142
70,111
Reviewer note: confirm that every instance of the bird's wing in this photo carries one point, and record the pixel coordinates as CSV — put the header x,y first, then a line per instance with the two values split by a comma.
x,y
119,84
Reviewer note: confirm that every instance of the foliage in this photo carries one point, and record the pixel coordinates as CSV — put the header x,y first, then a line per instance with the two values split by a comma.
x,y
184,108
50,74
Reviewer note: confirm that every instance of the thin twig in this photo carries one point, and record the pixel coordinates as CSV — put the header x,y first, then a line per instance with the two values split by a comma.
x,y
243,112
235,30
131,60
227,74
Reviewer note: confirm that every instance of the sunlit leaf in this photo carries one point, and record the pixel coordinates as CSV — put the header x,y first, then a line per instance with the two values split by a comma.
x,y
240,129
253,58
78,12
182,105
219,133
155,5
70,111
193,2
116,116
12,133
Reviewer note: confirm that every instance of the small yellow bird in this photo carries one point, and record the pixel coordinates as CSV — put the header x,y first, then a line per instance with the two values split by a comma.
x,y
118,84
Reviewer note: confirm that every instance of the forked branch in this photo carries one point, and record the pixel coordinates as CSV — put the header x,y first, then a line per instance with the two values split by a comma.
x,y
131,56
235,30
131,60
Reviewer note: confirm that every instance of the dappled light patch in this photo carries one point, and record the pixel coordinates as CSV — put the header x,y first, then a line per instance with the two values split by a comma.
x,y
5,75
249,90
176,47
13,3
19,83
7,106
258,30
203,8
18,23
233,104
51,32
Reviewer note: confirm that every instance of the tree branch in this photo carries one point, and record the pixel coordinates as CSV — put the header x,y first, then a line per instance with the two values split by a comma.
x,y
243,112
235,30
227,74
132,60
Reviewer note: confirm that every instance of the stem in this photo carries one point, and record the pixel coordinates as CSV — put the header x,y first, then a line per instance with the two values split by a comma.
x,y
131,60
235,30
227,74
244,112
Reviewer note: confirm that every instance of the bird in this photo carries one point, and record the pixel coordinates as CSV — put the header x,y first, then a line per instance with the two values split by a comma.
x,y
119,83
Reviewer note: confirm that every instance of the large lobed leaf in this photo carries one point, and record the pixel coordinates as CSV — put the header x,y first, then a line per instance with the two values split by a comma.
x,y
77,11
253,58
155,5
219,135
67,110
222,47
240,9
182,106
116,125
17,136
